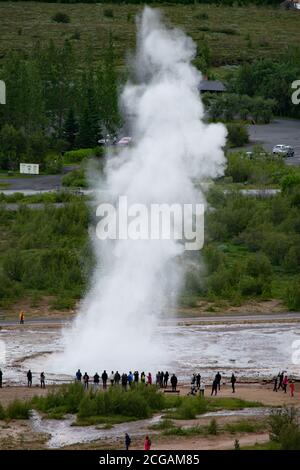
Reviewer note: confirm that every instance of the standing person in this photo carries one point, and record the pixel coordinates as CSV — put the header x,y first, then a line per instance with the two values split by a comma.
x,y
29,378
193,388
1,376
166,379
198,381
42,379
292,388
117,378
285,383
149,379
112,378
147,443
202,388
157,381
124,381
218,379
96,381
174,382
104,379
136,377
78,375
280,375
143,377
161,379
275,383
233,381
130,378
22,317
86,379
214,388
127,441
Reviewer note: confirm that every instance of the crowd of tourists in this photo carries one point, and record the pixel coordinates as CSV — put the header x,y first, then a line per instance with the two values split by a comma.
x,y
282,381
126,379
163,380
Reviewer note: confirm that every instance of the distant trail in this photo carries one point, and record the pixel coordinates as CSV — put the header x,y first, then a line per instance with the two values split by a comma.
x,y
184,321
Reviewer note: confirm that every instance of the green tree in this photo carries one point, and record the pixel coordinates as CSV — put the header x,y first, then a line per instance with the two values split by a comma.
x,y
13,145
70,128
107,89
89,115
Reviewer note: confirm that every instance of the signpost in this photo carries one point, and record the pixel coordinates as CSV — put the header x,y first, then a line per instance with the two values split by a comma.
x,y
29,168
2,92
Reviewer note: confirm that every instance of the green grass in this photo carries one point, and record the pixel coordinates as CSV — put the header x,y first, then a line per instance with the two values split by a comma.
x,y
117,406
186,432
243,426
17,409
163,425
228,31
108,421
271,445
191,407
225,403
246,425
111,407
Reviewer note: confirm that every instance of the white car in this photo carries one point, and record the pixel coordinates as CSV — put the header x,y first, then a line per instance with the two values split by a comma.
x,y
284,150
124,141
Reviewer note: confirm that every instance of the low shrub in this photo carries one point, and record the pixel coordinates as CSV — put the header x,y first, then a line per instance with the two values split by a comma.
x,y
212,428
76,156
2,412
75,179
237,135
18,409
61,17
108,13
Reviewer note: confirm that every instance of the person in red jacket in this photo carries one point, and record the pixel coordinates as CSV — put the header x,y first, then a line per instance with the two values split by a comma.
x,y
285,383
292,388
147,443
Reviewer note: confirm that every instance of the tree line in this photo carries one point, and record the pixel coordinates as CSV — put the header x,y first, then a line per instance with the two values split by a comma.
x,y
180,2
54,100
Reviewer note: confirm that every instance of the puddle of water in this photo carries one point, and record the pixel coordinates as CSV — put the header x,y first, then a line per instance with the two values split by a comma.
x,y
244,412
63,433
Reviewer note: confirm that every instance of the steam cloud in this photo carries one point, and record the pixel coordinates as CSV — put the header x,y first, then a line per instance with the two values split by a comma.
x,y
135,282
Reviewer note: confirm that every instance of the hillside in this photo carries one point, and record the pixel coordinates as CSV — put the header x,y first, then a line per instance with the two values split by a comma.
x,y
233,34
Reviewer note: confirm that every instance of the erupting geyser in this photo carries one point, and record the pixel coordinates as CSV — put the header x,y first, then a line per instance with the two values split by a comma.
x,y
136,281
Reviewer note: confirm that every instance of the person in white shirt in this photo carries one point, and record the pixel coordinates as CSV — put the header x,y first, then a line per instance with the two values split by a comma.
x,y
112,378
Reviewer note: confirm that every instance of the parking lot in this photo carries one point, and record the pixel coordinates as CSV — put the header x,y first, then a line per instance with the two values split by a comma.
x,y
280,131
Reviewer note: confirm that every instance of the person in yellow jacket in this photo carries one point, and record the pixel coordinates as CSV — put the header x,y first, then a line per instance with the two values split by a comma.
x,y
22,317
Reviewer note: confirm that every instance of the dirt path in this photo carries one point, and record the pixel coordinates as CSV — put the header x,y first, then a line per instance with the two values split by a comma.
x,y
9,394
256,392
250,392
222,442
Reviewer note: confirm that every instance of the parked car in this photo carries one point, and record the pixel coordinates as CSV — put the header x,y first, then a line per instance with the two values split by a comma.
x,y
284,150
107,140
124,141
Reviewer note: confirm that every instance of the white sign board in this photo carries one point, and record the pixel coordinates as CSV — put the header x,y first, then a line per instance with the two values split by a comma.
x,y
2,92
29,168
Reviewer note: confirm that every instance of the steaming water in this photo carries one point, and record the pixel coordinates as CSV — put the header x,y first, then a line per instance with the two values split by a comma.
x,y
135,281
252,351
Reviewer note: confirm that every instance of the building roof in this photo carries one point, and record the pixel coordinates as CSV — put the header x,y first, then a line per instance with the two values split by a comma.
x,y
212,85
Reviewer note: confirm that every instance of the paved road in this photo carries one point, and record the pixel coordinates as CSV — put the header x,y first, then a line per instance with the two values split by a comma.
x,y
229,318
36,183
280,131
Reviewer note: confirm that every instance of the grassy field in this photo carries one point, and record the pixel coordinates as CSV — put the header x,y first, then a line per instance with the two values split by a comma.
x,y
234,34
